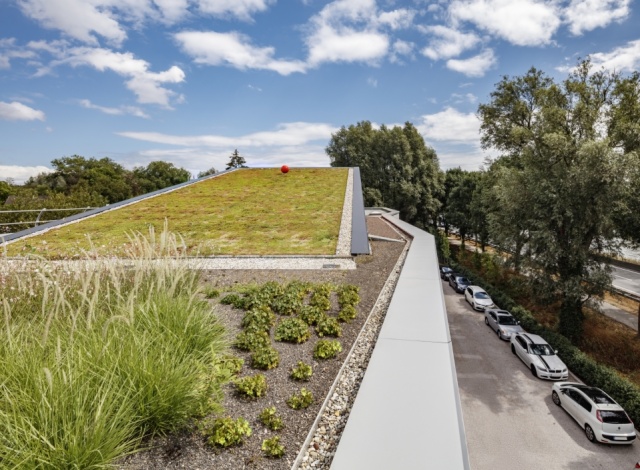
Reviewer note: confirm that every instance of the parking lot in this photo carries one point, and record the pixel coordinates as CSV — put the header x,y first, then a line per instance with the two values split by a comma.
x,y
510,420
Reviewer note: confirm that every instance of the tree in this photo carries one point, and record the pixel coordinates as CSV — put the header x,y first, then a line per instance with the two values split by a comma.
x,y
562,177
236,161
157,175
210,171
459,212
104,177
396,167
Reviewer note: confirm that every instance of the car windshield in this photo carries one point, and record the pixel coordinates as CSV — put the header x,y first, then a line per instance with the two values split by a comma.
x,y
505,320
614,417
462,280
541,350
446,270
481,295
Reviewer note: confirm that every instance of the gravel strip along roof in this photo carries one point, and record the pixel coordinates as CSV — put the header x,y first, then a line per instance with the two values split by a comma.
x,y
343,247
189,451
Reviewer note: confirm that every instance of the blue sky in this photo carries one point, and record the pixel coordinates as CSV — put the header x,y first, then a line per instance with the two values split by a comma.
x,y
189,81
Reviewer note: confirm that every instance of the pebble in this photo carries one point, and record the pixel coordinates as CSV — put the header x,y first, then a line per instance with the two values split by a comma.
x,y
333,419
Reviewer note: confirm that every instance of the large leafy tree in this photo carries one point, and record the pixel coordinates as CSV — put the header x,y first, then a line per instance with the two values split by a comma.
x,y
562,178
397,169
157,175
100,176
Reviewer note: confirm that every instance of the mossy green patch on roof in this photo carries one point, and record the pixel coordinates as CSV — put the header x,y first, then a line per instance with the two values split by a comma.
x,y
245,212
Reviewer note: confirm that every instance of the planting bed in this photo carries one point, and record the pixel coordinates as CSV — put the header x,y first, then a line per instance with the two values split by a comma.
x,y
190,450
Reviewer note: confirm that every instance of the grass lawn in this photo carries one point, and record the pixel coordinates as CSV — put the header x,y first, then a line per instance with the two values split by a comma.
x,y
246,212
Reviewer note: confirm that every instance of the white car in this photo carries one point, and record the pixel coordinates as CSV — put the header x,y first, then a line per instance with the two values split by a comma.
x,y
478,298
539,356
602,419
502,322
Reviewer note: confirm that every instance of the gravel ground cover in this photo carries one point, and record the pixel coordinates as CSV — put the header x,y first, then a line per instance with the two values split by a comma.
x,y
189,449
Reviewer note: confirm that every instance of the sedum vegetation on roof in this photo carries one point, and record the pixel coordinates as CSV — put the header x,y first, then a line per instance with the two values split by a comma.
x,y
245,212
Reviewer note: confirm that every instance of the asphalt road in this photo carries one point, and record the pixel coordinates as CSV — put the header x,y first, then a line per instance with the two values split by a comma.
x,y
510,420
626,279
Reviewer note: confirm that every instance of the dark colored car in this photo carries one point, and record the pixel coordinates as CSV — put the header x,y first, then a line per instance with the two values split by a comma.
x,y
445,271
458,282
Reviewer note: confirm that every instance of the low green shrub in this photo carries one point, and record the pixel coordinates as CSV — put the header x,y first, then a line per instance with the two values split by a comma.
x,y
228,365
301,371
347,313
252,341
259,319
310,314
301,400
292,330
269,417
225,432
211,292
320,297
252,386
328,326
272,447
290,300
265,358
234,300
348,295
326,349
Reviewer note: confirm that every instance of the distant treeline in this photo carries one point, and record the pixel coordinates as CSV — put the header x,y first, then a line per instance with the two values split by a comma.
x,y
78,182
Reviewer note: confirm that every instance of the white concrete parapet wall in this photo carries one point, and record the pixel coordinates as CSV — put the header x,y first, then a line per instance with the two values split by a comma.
x,y
407,413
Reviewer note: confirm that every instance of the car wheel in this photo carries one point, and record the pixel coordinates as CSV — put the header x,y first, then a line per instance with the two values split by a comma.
x,y
533,370
589,432
486,322
498,333
513,349
556,398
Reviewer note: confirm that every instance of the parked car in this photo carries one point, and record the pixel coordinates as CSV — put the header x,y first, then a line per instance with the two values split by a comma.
x,y
445,271
602,419
478,298
502,322
538,356
458,282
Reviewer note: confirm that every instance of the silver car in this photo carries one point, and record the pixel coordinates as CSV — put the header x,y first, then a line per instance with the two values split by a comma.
x,y
502,322
478,298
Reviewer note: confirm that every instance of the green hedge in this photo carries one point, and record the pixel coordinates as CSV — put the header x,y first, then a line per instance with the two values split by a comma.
x,y
626,393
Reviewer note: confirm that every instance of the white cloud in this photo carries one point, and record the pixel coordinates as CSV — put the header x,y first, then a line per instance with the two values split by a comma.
x,y
469,160
521,22
347,45
466,98
147,86
287,134
122,110
346,31
397,19
448,42
19,174
475,66
451,126
9,50
401,49
372,82
15,111
233,49
87,20
79,19
586,15
241,9
622,59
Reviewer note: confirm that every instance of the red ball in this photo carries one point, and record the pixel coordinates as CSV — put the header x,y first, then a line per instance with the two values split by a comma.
x,y
284,169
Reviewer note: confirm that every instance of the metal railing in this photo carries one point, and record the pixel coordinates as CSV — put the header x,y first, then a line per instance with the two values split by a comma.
x,y
40,212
